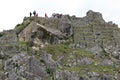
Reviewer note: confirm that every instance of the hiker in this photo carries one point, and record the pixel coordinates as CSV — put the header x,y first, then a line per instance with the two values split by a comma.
x,y
34,13
46,15
60,15
53,15
30,14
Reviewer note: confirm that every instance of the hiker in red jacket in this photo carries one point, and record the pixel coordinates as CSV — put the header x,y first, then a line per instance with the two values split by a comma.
x,y
36,14
46,15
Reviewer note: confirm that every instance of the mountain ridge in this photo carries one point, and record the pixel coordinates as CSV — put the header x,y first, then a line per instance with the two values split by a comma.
x,y
61,47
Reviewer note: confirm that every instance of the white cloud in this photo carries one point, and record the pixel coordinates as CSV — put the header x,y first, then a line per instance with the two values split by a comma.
x,y
12,12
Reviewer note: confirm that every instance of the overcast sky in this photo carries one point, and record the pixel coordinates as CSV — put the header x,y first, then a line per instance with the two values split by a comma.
x,y
12,12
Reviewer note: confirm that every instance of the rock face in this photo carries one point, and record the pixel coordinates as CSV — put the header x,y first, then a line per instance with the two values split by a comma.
x,y
42,33
96,32
61,47
89,31
94,17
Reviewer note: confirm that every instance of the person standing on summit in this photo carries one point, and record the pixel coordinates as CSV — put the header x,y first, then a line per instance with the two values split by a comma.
x,y
46,15
30,14
34,13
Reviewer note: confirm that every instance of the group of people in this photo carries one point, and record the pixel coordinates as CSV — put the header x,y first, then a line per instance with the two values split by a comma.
x,y
56,15
36,14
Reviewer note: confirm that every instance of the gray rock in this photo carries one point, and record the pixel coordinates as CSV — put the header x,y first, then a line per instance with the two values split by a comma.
x,y
66,75
107,62
34,67
1,64
15,61
106,77
96,49
20,62
48,60
84,61
93,74
94,16
12,75
117,76
2,76
2,55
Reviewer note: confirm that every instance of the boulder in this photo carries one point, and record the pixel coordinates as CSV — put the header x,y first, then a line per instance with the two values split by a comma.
x,y
94,16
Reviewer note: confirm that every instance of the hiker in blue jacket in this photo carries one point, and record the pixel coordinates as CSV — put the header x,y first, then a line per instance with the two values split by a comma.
x,y
34,13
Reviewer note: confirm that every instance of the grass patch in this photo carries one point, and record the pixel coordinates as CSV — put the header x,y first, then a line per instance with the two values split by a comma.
x,y
27,47
58,49
83,53
63,50
19,27
23,43
82,69
1,67
106,55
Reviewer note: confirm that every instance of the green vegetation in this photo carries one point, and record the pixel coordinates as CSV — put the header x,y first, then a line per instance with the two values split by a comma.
x,y
62,49
19,27
58,49
23,43
49,71
104,54
93,68
42,61
26,47
1,67
83,53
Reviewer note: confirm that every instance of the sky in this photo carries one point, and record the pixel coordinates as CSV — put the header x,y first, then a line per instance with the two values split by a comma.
x,y
12,12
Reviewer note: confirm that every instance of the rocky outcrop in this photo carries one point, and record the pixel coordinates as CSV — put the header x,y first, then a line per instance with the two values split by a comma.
x,y
61,47
86,32
44,31
95,32
39,36
92,16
